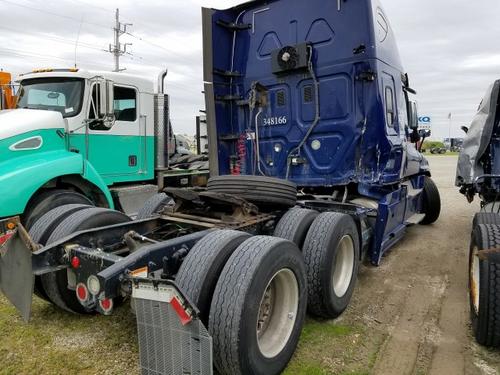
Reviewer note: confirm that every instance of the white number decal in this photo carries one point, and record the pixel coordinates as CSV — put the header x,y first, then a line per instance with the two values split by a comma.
x,y
271,121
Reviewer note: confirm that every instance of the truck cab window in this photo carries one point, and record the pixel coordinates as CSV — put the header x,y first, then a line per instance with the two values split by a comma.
x,y
62,95
389,107
125,104
94,103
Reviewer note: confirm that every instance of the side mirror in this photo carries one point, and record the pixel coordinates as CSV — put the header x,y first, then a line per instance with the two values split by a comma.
x,y
424,133
106,99
413,115
106,103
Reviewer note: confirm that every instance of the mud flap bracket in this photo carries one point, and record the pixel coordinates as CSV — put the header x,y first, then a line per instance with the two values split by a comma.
x,y
16,274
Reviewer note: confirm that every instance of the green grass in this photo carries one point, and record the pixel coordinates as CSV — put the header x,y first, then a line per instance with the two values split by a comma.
x,y
55,342
326,348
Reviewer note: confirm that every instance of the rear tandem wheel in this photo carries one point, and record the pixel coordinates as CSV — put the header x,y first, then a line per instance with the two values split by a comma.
x,y
332,256
200,270
56,283
44,226
484,286
295,224
258,308
45,201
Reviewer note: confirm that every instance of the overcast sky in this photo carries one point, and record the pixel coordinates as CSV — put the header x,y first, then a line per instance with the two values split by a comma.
x,y
450,48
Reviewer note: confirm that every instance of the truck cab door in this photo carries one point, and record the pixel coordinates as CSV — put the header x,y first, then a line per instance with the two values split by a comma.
x,y
395,134
116,152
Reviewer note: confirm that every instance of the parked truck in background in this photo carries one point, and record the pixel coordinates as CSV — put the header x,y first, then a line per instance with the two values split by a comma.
x,y
311,137
7,98
86,137
478,174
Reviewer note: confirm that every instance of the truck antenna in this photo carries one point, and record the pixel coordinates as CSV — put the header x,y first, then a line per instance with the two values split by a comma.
x,y
78,38
116,48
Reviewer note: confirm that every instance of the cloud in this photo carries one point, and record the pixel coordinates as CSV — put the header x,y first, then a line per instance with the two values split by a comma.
x,y
449,49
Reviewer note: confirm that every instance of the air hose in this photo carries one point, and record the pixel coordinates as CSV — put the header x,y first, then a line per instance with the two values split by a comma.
x,y
317,118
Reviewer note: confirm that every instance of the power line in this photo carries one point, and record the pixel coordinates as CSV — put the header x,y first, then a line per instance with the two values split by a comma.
x,y
56,39
54,14
9,51
140,38
170,52
21,53
93,6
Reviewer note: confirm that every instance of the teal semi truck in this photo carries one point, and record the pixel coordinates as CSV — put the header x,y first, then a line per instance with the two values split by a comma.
x,y
83,137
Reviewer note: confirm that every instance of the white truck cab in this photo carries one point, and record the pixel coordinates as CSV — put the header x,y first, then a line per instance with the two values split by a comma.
x,y
103,135
117,140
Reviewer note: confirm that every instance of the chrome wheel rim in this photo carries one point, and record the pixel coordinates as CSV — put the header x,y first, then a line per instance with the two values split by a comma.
x,y
277,313
344,266
475,280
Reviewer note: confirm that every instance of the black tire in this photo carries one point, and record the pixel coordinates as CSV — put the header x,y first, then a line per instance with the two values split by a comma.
x,y
491,207
153,206
48,200
201,268
262,191
323,246
485,218
236,306
55,284
432,202
43,227
486,317
294,225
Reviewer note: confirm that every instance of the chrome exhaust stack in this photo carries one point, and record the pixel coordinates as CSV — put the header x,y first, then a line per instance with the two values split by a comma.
x,y
162,118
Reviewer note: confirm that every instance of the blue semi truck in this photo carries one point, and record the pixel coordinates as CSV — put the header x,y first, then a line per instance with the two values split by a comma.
x,y
314,169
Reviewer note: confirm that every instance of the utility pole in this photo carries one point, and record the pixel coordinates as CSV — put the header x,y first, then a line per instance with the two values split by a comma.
x,y
116,49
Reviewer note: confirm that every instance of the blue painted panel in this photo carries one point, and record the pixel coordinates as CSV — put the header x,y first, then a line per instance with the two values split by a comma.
x,y
355,143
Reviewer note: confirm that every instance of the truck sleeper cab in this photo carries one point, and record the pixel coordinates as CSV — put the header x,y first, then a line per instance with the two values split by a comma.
x,y
293,91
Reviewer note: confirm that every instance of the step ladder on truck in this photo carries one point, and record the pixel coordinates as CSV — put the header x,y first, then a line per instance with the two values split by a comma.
x,y
314,169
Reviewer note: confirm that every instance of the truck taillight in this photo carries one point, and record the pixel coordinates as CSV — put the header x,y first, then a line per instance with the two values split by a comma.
x,y
75,262
82,293
106,305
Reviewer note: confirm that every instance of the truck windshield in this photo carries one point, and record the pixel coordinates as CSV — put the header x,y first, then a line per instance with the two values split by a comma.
x,y
64,95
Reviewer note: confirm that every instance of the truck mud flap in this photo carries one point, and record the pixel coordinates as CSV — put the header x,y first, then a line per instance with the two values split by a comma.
x,y
172,340
16,276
